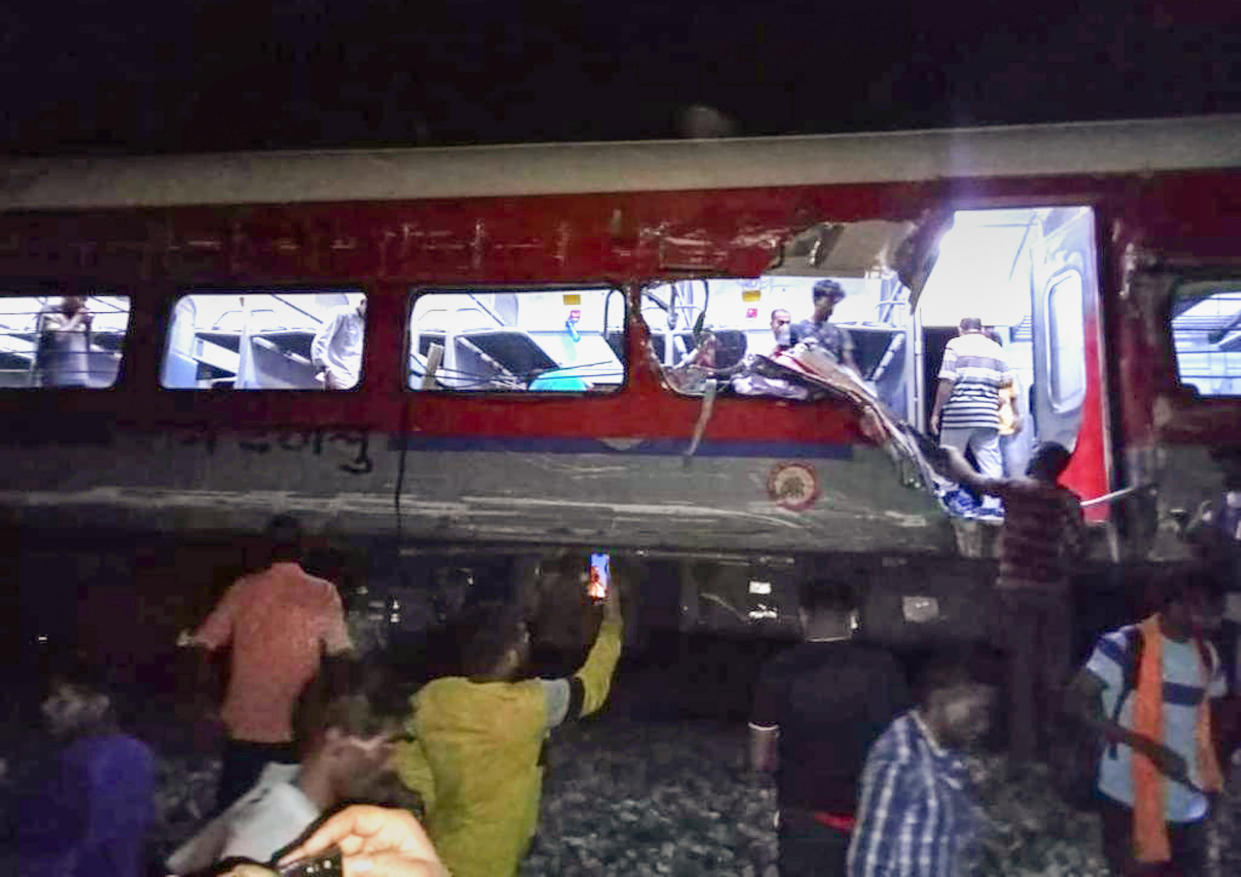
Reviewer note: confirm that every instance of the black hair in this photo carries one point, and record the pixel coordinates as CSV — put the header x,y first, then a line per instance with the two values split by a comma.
x,y
1177,583
1050,456
950,667
827,289
284,539
494,629
820,596
92,677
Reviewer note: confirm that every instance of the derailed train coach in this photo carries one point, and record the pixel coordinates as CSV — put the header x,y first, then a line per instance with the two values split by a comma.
x,y
571,347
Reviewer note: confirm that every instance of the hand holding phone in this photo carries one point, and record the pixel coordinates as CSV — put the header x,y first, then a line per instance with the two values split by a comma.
x,y
600,577
376,841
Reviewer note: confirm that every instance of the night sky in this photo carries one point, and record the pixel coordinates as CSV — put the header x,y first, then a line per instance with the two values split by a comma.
x,y
236,74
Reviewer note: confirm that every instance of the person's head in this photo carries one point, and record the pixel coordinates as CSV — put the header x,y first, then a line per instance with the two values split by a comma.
x,y
827,608
825,294
1190,602
969,326
79,699
284,539
358,302
498,645
1048,462
346,736
955,703
71,304
780,320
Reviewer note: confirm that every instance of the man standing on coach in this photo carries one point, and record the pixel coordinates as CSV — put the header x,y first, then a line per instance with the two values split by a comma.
x,y
817,709
966,412
280,622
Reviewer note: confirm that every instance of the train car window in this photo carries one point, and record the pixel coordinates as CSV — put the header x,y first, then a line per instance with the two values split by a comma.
x,y
517,340
1206,336
62,341
1065,341
759,336
265,340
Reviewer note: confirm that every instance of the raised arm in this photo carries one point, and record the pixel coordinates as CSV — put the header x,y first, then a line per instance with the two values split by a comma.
x,y
587,689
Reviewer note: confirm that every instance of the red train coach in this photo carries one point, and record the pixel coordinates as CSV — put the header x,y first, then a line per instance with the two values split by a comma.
x,y
571,345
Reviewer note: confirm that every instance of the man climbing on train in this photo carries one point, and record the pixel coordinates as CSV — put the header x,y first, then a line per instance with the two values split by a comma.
x,y
966,412
476,759
1043,534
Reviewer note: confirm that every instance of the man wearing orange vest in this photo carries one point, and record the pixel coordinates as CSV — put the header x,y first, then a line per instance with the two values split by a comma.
x,y
1147,689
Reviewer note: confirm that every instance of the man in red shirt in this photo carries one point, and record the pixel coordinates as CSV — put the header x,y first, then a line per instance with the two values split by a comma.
x,y
281,623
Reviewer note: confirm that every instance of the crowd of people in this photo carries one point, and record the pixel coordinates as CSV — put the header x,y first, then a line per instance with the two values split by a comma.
x,y
325,756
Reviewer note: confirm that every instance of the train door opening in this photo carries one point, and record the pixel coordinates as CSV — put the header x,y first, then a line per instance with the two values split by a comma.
x,y
1030,275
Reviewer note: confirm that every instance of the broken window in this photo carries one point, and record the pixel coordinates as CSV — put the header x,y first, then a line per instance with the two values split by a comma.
x,y
517,340
262,340
62,340
1206,335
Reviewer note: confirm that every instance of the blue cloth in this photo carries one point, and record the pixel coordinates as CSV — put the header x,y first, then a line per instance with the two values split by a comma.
x,y
917,816
1183,690
90,816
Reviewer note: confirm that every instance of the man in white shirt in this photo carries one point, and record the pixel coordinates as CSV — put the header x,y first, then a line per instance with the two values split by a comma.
x,y
337,348
347,744
967,402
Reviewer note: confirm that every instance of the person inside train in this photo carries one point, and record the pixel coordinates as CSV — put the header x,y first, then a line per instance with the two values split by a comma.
x,y
781,330
818,707
88,815
345,740
967,401
336,351
63,356
829,337
476,757
1014,448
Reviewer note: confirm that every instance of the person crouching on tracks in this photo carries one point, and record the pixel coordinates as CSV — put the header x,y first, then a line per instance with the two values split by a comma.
x,y
1148,689
818,707
476,758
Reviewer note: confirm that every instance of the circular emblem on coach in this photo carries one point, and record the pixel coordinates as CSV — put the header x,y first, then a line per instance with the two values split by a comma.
x,y
793,485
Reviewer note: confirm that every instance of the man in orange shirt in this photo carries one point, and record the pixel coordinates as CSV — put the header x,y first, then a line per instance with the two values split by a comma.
x,y
281,623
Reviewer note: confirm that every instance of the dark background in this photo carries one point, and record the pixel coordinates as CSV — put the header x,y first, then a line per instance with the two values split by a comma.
x,y
238,74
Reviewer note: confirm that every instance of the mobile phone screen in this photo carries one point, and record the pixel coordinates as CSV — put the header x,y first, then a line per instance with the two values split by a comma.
x,y
600,576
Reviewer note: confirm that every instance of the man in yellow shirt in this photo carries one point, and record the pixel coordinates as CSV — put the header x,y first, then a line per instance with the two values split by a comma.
x,y
476,756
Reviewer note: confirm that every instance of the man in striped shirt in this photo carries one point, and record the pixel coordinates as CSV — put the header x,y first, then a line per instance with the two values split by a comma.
x,y
967,401
917,816
1044,533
